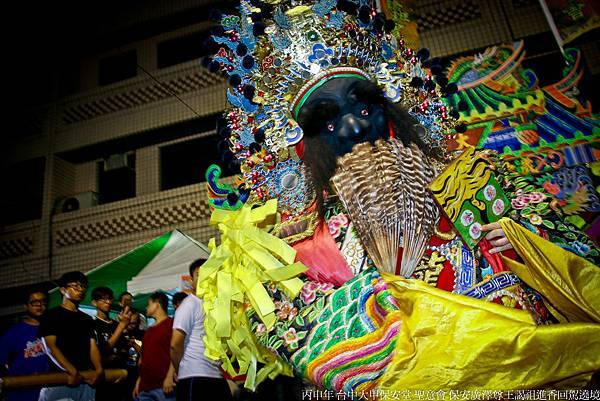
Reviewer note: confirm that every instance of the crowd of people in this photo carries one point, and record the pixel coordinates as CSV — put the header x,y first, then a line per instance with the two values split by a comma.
x,y
163,362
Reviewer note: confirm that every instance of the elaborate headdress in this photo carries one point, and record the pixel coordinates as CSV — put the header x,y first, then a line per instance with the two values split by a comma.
x,y
276,54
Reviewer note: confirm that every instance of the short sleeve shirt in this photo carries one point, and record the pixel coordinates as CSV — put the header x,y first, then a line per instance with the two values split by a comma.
x,y
22,350
189,318
104,331
73,331
156,357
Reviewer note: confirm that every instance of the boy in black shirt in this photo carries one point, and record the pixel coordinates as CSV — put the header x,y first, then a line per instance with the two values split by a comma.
x,y
69,338
109,332
109,335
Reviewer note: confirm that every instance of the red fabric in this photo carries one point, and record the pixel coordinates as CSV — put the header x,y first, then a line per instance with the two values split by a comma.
x,y
399,261
444,225
446,278
494,259
323,258
300,149
391,130
156,355
227,376
511,254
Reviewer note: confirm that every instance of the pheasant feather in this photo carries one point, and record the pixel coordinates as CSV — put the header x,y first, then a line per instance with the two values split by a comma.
x,y
383,187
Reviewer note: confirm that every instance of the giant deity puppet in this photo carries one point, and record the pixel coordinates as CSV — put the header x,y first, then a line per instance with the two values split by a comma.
x,y
359,253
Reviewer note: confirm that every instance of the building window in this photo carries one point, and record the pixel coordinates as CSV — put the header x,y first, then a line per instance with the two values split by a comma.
x,y
117,68
185,163
116,178
181,49
24,192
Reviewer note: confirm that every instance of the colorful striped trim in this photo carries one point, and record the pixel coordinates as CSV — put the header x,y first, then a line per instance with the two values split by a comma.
x,y
364,371
356,362
374,311
366,318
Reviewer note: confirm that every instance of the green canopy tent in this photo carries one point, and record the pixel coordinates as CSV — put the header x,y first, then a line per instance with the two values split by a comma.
x,y
160,264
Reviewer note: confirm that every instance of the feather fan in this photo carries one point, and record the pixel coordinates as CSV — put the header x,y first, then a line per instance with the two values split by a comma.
x,y
383,187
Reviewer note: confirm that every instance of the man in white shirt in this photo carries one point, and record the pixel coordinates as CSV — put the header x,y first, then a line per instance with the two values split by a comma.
x,y
197,376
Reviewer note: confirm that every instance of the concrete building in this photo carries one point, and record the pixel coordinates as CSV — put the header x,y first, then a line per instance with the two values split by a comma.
x,y
115,156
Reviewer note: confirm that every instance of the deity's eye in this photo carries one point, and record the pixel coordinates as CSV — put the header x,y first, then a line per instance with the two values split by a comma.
x,y
364,112
330,127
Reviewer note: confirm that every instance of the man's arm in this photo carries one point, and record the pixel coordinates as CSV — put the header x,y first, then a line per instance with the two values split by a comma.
x,y
112,341
177,342
56,353
136,388
169,382
183,324
6,344
124,318
95,355
96,361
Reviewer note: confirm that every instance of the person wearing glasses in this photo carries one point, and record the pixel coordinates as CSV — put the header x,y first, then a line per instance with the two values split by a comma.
x,y
70,342
110,338
21,350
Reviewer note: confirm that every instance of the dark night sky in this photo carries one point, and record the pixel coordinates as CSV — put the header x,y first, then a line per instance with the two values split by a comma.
x,y
42,37
48,39
39,41
50,36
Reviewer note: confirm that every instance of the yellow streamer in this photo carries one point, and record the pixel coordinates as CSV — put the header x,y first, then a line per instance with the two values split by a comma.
x,y
274,244
287,272
222,304
233,277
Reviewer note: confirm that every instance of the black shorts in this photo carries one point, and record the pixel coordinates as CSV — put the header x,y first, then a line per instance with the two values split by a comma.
x,y
203,388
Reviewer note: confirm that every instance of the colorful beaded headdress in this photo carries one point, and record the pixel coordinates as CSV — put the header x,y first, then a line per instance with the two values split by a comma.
x,y
276,54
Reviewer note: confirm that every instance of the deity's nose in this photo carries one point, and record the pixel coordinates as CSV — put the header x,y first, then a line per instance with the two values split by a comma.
x,y
352,127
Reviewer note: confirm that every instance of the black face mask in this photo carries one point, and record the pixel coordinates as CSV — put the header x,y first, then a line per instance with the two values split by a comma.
x,y
344,112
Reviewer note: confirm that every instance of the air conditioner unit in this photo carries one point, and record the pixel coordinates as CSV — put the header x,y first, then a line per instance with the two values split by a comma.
x,y
117,161
79,201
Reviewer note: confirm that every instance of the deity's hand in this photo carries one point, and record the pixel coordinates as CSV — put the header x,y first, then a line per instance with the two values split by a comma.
x,y
497,237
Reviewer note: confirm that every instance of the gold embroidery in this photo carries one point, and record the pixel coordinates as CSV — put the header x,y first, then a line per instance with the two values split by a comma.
x,y
444,235
297,228
430,268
